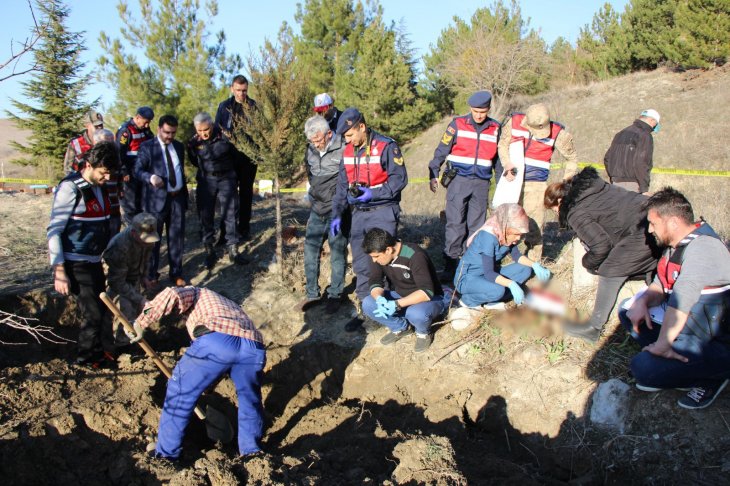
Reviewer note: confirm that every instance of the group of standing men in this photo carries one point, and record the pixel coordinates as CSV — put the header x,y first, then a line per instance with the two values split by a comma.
x,y
144,174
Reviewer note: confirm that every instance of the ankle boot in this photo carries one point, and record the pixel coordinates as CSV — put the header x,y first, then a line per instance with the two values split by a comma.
x,y
210,257
235,257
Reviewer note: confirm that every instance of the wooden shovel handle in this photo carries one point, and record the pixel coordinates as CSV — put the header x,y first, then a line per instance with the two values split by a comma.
x,y
142,343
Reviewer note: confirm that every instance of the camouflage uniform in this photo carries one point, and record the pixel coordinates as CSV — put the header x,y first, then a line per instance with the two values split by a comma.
x,y
127,261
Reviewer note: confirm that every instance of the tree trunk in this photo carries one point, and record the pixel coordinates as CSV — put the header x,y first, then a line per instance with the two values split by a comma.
x,y
279,240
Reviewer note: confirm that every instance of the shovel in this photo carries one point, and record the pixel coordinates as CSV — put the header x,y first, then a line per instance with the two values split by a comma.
x,y
216,423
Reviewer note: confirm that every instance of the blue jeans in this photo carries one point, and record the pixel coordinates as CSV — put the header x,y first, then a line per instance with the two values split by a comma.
x,y
318,227
420,316
207,358
708,365
476,290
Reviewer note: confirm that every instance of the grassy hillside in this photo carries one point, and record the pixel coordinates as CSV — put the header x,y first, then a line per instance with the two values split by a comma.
x,y
693,107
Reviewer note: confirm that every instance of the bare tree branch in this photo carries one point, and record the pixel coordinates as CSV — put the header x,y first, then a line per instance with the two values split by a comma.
x,y
37,332
23,48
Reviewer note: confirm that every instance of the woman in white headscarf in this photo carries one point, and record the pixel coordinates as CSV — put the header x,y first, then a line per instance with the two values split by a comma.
x,y
480,277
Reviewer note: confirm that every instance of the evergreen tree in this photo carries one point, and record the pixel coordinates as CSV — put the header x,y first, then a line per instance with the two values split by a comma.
x,y
604,45
702,33
57,87
271,133
383,84
649,26
182,70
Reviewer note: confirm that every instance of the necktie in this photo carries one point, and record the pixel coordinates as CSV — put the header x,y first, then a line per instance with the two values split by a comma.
x,y
170,168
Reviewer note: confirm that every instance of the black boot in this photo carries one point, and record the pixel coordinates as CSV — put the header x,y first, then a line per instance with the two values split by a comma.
x,y
210,256
450,264
235,257
582,331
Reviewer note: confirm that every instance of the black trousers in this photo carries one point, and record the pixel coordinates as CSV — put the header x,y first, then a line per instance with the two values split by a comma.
x,y
246,175
87,281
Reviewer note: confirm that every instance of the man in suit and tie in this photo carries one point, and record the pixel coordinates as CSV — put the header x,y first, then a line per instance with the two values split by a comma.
x,y
159,168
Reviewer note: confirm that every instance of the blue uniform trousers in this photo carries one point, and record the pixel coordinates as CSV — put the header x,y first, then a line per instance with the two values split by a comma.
x,y
131,202
318,227
173,218
420,316
207,358
466,212
363,220
223,190
708,365
476,290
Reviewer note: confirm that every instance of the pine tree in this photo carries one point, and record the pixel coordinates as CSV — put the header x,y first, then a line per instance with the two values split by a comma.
x,y
271,133
604,46
383,84
702,33
182,71
58,89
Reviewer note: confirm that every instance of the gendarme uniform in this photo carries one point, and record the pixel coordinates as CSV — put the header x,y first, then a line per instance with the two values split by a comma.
x,y
77,235
540,137
129,138
470,149
378,165
215,160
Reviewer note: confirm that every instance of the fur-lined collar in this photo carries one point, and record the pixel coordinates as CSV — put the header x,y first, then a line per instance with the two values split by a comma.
x,y
584,183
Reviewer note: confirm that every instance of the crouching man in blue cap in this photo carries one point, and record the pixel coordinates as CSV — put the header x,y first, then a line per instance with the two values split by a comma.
x,y
416,298
469,147
371,178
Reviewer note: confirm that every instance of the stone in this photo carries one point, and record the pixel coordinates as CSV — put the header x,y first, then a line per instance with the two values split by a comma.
x,y
610,407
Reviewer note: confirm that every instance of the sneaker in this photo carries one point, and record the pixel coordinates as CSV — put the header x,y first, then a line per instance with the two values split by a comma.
x,y
306,303
495,306
701,397
651,389
422,343
392,337
332,305
582,331
235,257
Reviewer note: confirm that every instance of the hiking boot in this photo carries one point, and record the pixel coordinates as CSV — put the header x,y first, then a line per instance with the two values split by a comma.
x,y
235,257
701,397
332,305
210,256
422,343
306,303
393,337
582,331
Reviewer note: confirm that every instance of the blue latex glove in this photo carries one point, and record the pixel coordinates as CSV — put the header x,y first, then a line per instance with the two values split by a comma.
x,y
542,273
366,196
380,301
335,226
517,293
385,309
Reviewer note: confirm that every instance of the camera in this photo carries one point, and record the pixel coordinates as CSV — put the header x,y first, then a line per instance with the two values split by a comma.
x,y
354,189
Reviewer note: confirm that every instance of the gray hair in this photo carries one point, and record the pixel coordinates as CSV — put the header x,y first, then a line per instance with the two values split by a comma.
x,y
314,125
202,118
103,135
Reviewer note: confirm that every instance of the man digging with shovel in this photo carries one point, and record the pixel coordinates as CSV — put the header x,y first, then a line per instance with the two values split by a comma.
x,y
224,341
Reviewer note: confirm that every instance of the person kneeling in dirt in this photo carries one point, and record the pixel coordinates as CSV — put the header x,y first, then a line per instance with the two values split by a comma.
x,y
480,277
77,235
416,298
688,344
127,258
225,340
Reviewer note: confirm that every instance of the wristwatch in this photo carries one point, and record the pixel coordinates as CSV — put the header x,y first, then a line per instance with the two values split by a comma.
x,y
397,306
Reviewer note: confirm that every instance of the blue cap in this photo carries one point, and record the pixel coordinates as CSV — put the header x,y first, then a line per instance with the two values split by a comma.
x,y
349,118
480,99
146,112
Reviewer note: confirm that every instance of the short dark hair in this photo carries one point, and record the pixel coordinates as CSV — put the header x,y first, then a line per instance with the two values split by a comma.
x,y
239,79
103,154
377,240
170,120
670,202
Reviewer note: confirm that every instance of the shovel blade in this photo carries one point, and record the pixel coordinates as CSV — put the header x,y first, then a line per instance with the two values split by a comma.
x,y
217,425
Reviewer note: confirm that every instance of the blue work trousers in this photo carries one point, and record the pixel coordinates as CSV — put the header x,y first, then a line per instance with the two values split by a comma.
x,y
708,365
476,290
466,212
223,190
318,228
420,316
363,220
207,358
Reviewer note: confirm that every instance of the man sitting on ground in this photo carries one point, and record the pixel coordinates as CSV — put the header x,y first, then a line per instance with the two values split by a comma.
x,y
415,299
690,346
